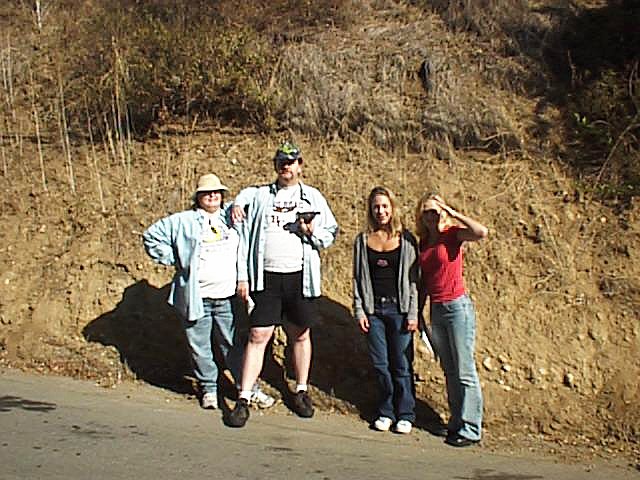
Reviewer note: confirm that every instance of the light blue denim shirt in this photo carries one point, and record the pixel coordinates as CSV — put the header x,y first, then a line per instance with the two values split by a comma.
x,y
175,241
257,202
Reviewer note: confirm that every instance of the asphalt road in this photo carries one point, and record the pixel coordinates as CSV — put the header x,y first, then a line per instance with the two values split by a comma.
x,y
57,428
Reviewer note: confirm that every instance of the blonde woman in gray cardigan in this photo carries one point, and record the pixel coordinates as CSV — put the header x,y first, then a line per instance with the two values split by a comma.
x,y
385,304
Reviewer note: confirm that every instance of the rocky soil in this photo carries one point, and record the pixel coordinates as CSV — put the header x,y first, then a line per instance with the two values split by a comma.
x,y
556,284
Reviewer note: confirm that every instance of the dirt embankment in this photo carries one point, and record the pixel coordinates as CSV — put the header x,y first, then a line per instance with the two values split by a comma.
x,y
555,284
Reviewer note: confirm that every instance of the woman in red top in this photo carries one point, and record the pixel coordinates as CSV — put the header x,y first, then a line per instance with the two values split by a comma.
x,y
442,231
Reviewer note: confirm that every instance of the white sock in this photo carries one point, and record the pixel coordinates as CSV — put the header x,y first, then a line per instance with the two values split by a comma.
x,y
246,394
301,387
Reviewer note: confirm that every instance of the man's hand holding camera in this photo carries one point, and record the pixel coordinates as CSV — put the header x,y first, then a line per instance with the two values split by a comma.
x,y
303,224
304,227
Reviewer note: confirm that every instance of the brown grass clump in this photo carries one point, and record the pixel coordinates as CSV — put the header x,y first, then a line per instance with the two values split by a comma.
x,y
342,69
136,64
128,68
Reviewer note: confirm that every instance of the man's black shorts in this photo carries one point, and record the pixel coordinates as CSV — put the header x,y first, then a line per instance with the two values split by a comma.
x,y
282,299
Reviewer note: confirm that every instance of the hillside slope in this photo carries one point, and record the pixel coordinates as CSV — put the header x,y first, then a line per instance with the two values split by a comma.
x,y
556,284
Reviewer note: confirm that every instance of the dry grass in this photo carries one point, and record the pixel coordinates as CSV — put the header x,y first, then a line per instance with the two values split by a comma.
x,y
319,74
344,82
341,70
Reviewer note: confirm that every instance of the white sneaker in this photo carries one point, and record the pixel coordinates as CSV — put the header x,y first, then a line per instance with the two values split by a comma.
x,y
209,401
261,399
403,426
382,424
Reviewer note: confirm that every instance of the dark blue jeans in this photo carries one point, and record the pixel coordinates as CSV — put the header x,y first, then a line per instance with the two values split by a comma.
x,y
391,351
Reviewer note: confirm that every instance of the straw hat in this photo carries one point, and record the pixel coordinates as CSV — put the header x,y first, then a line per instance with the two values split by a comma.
x,y
209,183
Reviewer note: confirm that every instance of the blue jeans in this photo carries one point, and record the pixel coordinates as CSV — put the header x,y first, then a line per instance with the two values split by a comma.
x,y
453,326
216,327
391,352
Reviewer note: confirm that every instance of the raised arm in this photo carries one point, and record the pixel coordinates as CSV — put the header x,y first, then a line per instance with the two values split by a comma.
x,y
243,199
473,231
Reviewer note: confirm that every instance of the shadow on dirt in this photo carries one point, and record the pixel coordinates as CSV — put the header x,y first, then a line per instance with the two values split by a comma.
x,y
151,341
148,335
342,368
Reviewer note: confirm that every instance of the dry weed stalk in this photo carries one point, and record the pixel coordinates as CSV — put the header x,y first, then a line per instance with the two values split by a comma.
x,y
36,120
64,132
5,73
20,137
7,78
120,136
109,145
5,166
187,175
7,82
94,159
166,162
40,10
118,139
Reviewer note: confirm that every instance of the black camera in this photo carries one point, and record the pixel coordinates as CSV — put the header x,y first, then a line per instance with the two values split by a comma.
x,y
306,217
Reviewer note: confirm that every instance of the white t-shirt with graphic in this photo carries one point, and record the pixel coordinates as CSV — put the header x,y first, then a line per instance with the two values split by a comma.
x,y
283,248
218,255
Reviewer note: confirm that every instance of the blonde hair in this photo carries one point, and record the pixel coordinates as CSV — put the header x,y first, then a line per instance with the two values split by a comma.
x,y
395,223
421,228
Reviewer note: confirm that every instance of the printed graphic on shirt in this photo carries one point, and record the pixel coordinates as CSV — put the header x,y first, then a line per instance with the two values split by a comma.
x,y
382,263
283,215
218,255
283,247
217,234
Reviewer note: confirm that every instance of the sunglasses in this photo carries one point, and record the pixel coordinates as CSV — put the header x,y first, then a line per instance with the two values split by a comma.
x,y
285,161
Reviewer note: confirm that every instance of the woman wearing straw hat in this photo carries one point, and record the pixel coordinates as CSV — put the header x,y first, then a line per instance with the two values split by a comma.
x,y
201,244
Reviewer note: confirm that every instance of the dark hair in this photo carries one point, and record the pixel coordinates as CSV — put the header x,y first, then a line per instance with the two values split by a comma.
x,y
194,199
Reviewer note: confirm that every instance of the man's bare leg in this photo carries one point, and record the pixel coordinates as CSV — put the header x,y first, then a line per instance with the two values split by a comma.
x,y
254,356
251,367
301,338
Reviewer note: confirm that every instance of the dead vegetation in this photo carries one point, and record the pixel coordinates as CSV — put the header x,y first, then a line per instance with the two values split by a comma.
x,y
107,117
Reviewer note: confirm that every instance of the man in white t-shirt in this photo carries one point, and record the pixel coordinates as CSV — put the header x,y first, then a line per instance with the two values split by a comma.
x,y
282,226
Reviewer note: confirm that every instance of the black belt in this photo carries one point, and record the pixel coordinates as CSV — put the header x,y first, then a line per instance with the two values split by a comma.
x,y
384,300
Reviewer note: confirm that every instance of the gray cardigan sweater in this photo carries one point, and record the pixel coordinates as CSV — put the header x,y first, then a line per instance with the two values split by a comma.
x,y
408,274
